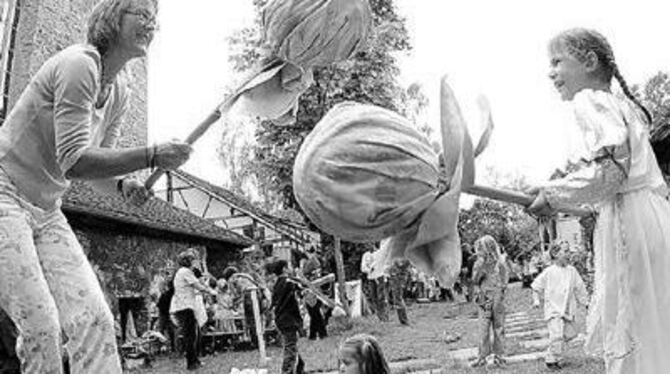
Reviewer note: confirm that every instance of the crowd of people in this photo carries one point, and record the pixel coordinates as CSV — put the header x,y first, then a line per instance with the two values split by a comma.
x,y
484,279
192,303
67,121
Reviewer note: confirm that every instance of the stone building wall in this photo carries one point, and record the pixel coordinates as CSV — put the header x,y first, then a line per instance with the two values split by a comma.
x,y
48,26
134,264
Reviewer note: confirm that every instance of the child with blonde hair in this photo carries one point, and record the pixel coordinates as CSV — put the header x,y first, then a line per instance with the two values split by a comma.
x,y
619,175
490,276
362,354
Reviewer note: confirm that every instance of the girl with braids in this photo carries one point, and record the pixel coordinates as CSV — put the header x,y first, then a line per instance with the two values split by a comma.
x,y
490,277
627,324
361,354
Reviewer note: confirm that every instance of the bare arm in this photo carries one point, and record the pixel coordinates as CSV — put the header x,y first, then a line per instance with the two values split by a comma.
x,y
539,284
202,288
99,163
536,298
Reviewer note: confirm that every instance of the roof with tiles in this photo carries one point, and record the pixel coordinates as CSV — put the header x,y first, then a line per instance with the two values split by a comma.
x,y
156,214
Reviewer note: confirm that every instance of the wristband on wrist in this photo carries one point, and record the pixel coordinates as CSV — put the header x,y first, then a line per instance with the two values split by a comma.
x,y
147,158
152,161
119,185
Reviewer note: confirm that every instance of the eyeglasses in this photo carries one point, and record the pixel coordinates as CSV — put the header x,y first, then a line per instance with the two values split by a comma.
x,y
146,17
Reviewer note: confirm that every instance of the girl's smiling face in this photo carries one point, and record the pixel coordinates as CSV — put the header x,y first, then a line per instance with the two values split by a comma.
x,y
569,74
348,362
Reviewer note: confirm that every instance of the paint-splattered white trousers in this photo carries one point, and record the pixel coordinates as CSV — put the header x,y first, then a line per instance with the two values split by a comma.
x,y
48,286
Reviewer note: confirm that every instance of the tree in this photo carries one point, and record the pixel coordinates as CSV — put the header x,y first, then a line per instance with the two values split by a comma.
x,y
507,223
370,77
655,96
414,105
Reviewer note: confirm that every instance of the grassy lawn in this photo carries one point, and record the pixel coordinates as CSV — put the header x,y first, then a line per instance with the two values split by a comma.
x,y
424,339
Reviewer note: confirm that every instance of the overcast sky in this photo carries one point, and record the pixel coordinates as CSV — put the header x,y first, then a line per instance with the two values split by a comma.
x,y
497,48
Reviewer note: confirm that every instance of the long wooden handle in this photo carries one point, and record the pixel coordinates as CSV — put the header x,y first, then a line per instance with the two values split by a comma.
x,y
214,116
315,291
192,137
516,198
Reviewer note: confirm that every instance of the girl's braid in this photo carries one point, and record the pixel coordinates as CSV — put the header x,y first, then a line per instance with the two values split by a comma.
x,y
581,41
626,91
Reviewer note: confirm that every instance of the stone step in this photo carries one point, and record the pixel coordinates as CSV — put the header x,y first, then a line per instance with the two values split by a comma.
x,y
543,332
525,357
543,343
462,354
517,321
535,344
525,327
525,321
517,315
524,317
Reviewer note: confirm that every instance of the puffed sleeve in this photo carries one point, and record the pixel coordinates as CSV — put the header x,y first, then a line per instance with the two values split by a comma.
x,y
75,85
601,175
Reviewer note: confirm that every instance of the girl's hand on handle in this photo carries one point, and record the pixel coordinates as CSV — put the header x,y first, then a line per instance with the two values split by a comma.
x,y
540,207
533,191
171,155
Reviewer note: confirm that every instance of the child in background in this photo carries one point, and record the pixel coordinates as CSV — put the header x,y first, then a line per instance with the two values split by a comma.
x,y
561,287
287,316
225,313
490,278
361,354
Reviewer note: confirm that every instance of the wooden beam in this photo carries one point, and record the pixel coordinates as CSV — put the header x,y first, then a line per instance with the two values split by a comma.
x,y
259,327
170,198
220,218
282,228
339,263
204,212
183,199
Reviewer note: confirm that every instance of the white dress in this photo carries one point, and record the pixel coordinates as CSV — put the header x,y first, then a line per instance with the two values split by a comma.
x,y
628,322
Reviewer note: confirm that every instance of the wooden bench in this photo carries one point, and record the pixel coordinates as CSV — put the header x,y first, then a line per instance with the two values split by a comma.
x,y
221,335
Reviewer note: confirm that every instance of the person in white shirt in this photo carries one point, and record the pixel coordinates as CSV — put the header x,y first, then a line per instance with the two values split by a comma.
x,y
376,280
562,287
184,306
366,267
